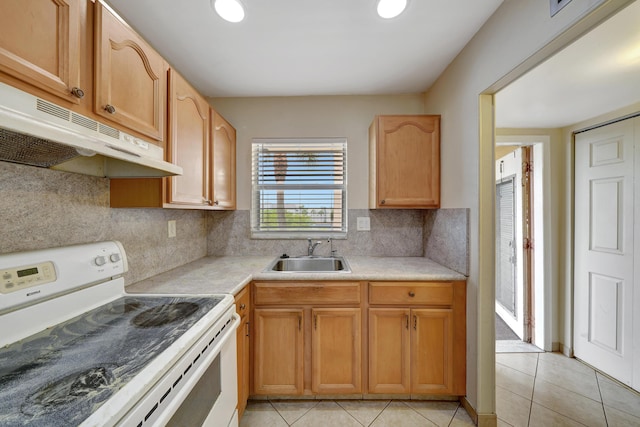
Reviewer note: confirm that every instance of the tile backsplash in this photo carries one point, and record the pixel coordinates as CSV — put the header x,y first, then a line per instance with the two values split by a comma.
x,y
393,233
446,238
442,235
43,208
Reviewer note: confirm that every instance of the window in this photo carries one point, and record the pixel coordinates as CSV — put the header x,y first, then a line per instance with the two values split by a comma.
x,y
299,188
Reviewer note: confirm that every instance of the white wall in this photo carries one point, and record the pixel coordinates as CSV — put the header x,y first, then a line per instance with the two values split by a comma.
x,y
520,34
312,116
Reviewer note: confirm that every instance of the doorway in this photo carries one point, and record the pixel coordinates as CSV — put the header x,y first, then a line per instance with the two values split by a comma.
x,y
520,242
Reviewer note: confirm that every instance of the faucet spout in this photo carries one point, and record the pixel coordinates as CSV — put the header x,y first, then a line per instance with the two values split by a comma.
x,y
312,246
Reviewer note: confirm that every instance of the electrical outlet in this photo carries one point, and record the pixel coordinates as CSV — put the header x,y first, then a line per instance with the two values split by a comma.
x,y
171,226
363,224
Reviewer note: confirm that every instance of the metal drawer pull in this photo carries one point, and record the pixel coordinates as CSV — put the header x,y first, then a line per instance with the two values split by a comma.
x,y
243,306
412,294
415,322
407,316
110,109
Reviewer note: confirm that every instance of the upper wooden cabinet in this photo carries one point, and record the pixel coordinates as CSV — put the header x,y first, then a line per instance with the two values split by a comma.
x,y
130,77
188,144
40,44
404,162
205,151
224,162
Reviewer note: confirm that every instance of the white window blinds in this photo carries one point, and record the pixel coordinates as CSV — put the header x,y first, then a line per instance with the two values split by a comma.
x,y
299,187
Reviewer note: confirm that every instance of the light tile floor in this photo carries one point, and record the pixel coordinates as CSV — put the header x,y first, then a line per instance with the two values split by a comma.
x,y
549,389
354,413
532,389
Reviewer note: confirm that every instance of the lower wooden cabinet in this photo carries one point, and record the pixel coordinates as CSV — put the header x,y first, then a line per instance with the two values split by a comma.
x,y
389,350
419,348
308,338
278,351
411,351
336,361
243,338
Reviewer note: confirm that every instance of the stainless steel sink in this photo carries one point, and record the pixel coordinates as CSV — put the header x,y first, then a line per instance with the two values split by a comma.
x,y
309,265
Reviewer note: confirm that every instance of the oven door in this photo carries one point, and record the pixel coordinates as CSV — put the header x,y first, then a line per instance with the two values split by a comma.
x,y
213,399
201,389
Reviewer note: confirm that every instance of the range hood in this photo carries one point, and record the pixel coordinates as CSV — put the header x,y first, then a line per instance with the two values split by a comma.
x,y
38,133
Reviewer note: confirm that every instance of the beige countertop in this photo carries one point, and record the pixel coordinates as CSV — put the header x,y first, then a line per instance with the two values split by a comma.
x,y
211,275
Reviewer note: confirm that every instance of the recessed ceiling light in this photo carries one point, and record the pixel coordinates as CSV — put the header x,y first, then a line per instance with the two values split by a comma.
x,y
391,8
229,10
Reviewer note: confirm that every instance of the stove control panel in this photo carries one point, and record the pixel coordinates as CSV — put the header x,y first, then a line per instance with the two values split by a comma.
x,y
26,276
29,277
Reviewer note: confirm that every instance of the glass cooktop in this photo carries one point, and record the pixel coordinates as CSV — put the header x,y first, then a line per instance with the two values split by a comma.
x,y
59,376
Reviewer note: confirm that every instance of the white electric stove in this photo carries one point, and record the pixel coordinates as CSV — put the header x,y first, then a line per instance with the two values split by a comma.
x,y
77,350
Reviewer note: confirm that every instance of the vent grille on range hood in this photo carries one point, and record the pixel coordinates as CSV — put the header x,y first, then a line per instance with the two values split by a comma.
x,y
38,133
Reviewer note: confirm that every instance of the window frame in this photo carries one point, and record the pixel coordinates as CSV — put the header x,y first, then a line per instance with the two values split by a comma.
x,y
256,188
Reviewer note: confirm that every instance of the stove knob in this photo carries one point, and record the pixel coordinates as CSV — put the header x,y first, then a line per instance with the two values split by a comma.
x,y
100,261
114,257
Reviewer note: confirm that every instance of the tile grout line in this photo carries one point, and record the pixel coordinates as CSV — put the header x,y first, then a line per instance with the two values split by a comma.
x,y
279,414
533,390
337,402
383,409
604,411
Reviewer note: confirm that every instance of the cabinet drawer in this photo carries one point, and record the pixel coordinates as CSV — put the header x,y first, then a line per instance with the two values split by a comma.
x,y
272,293
418,293
242,302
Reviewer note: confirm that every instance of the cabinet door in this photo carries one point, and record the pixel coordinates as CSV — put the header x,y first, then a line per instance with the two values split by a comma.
x,y
188,143
243,342
432,351
224,162
40,44
408,162
389,355
278,349
336,361
131,81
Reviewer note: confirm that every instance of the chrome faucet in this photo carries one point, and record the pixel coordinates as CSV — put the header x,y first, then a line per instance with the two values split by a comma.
x,y
312,247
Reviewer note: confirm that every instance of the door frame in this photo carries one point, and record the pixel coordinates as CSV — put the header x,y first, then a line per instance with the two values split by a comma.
x,y
543,303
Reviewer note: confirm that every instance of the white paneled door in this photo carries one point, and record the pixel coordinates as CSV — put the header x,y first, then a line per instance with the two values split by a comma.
x,y
604,288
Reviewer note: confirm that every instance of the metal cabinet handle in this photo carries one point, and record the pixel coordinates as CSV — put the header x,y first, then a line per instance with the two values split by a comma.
x,y
207,201
382,202
243,306
299,323
215,202
110,109
77,92
415,322
412,294
246,329
407,317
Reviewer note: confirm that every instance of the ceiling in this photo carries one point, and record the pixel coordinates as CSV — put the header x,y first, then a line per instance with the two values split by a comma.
x,y
308,47
597,74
